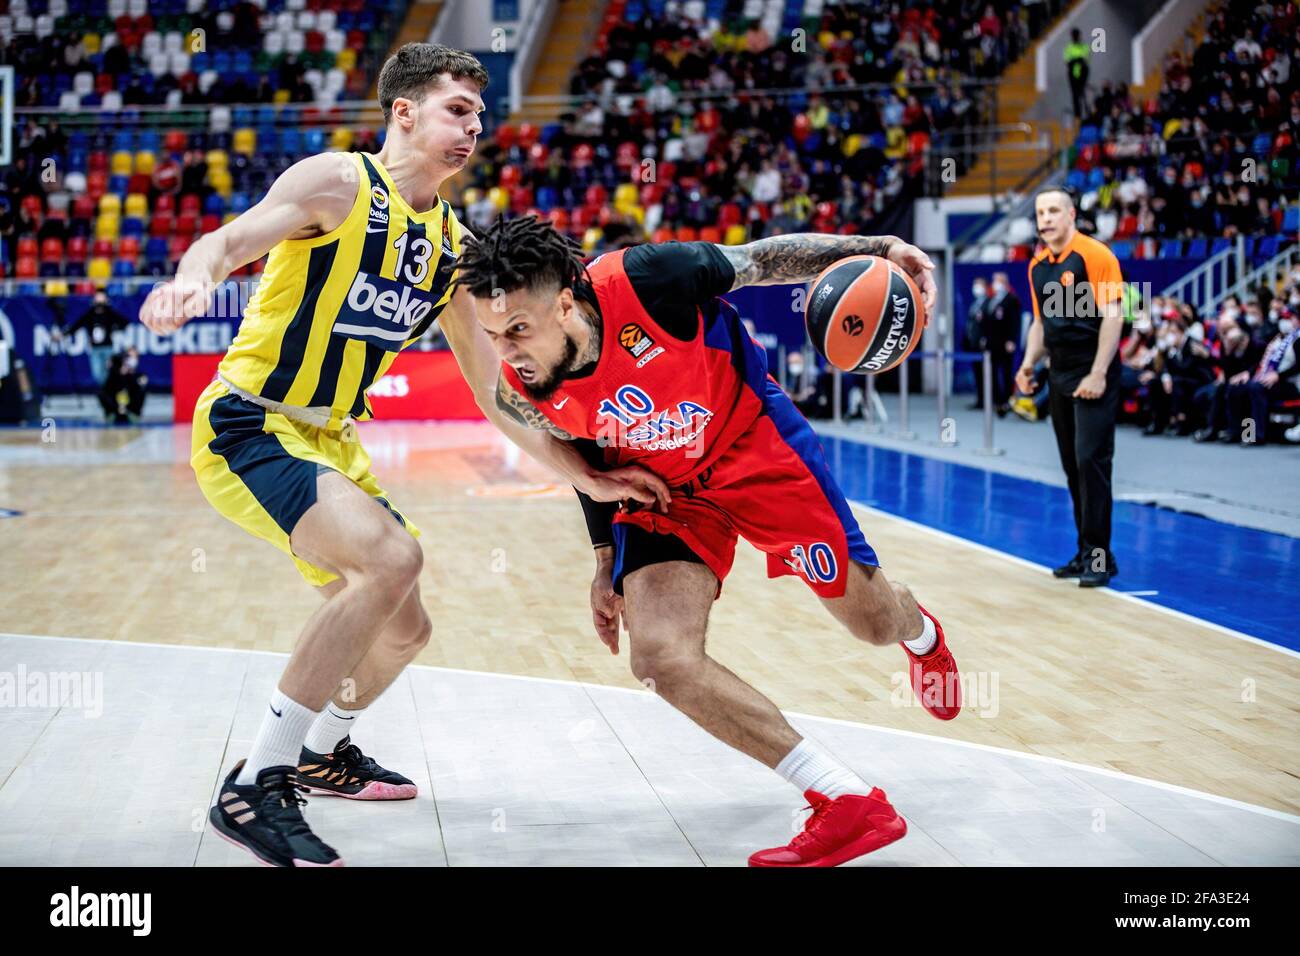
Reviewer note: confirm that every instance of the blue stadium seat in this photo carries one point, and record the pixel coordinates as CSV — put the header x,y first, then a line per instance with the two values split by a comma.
x,y
1197,249
1171,249
1122,249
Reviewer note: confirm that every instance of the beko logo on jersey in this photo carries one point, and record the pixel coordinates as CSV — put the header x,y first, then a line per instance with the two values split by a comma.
x,y
382,311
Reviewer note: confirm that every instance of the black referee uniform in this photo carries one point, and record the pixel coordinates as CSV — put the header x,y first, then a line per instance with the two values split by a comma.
x,y
1067,288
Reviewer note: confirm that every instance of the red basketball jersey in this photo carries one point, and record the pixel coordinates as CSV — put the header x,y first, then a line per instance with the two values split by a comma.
x,y
669,405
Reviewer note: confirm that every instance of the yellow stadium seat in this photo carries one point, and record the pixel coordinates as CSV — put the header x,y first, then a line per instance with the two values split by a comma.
x,y
341,138
99,268
636,212
347,60
91,41
108,227
590,238
245,141
229,217
220,181
281,96
471,196
121,163
735,236
137,206
852,143
625,195
56,288
110,204
500,198
144,162
218,159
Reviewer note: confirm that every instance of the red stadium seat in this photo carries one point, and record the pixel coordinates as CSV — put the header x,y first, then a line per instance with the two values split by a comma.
x,y
161,225
186,223
209,223
711,234
129,248
27,247
176,141
662,234
77,249
190,204
52,249
26,267
687,234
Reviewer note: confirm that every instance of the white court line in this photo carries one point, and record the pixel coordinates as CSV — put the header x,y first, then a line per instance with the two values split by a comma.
x,y
1024,563
988,748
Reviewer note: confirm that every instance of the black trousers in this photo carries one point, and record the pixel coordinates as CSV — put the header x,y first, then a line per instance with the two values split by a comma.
x,y
1085,439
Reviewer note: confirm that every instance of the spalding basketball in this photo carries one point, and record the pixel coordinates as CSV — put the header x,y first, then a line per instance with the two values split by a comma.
x,y
864,314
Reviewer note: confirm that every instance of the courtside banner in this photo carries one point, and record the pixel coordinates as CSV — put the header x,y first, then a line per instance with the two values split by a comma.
x,y
420,386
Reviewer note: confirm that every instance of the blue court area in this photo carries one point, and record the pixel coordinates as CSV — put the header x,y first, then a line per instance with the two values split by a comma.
x,y
1236,577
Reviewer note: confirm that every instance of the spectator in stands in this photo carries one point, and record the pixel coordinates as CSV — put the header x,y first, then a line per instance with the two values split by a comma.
x,y
1274,382
1186,366
1237,358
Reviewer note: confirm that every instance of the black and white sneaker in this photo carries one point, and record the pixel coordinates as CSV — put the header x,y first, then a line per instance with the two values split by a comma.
x,y
266,820
347,772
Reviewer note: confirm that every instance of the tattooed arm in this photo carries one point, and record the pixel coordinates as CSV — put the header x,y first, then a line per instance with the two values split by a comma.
x,y
520,410
801,256
528,428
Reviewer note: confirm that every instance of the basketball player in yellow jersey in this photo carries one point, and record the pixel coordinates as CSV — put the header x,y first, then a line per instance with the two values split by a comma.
x,y
362,254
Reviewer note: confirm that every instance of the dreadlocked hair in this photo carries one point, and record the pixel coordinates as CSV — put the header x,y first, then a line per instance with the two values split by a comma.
x,y
522,253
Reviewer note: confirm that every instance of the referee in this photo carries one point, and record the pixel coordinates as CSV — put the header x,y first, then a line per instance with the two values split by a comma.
x,y
1076,286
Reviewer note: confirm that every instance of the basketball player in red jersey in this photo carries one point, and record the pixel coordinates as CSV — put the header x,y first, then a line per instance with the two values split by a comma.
x,y
636,358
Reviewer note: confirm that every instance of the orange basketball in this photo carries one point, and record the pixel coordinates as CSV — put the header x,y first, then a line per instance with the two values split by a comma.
x,y
864,314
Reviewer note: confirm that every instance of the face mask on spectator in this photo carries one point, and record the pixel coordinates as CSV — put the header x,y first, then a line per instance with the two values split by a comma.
x,y
1286,326
1294,298
1254,318
999,288
1232,313
979,291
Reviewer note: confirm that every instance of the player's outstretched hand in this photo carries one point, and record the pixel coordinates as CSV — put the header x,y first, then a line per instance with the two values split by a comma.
x,y
919,266
606,605
630,482
171,304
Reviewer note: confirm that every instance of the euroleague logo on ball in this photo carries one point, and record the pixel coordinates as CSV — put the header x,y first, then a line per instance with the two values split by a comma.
x,y
852,325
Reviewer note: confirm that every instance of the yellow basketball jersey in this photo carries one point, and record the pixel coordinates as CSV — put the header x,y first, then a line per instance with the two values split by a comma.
x,y
331,313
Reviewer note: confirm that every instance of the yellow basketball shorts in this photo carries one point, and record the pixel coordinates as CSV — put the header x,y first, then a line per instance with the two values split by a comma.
x,y
259,468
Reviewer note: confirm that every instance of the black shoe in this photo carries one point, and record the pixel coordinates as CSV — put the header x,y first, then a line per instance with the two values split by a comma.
x,y
1071,569
974,406
1095,579
347,772
1152,429
1204,435
266,820
1227,437
1002,410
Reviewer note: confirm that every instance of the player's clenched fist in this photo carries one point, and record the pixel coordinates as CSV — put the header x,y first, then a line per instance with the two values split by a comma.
x,y
172,304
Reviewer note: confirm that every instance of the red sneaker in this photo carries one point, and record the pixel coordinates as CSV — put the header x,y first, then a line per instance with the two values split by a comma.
x,y
839,830
935,680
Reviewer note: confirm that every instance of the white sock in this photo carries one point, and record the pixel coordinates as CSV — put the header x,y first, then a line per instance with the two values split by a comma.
x,y
924,644
279,739
333,724
809,767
